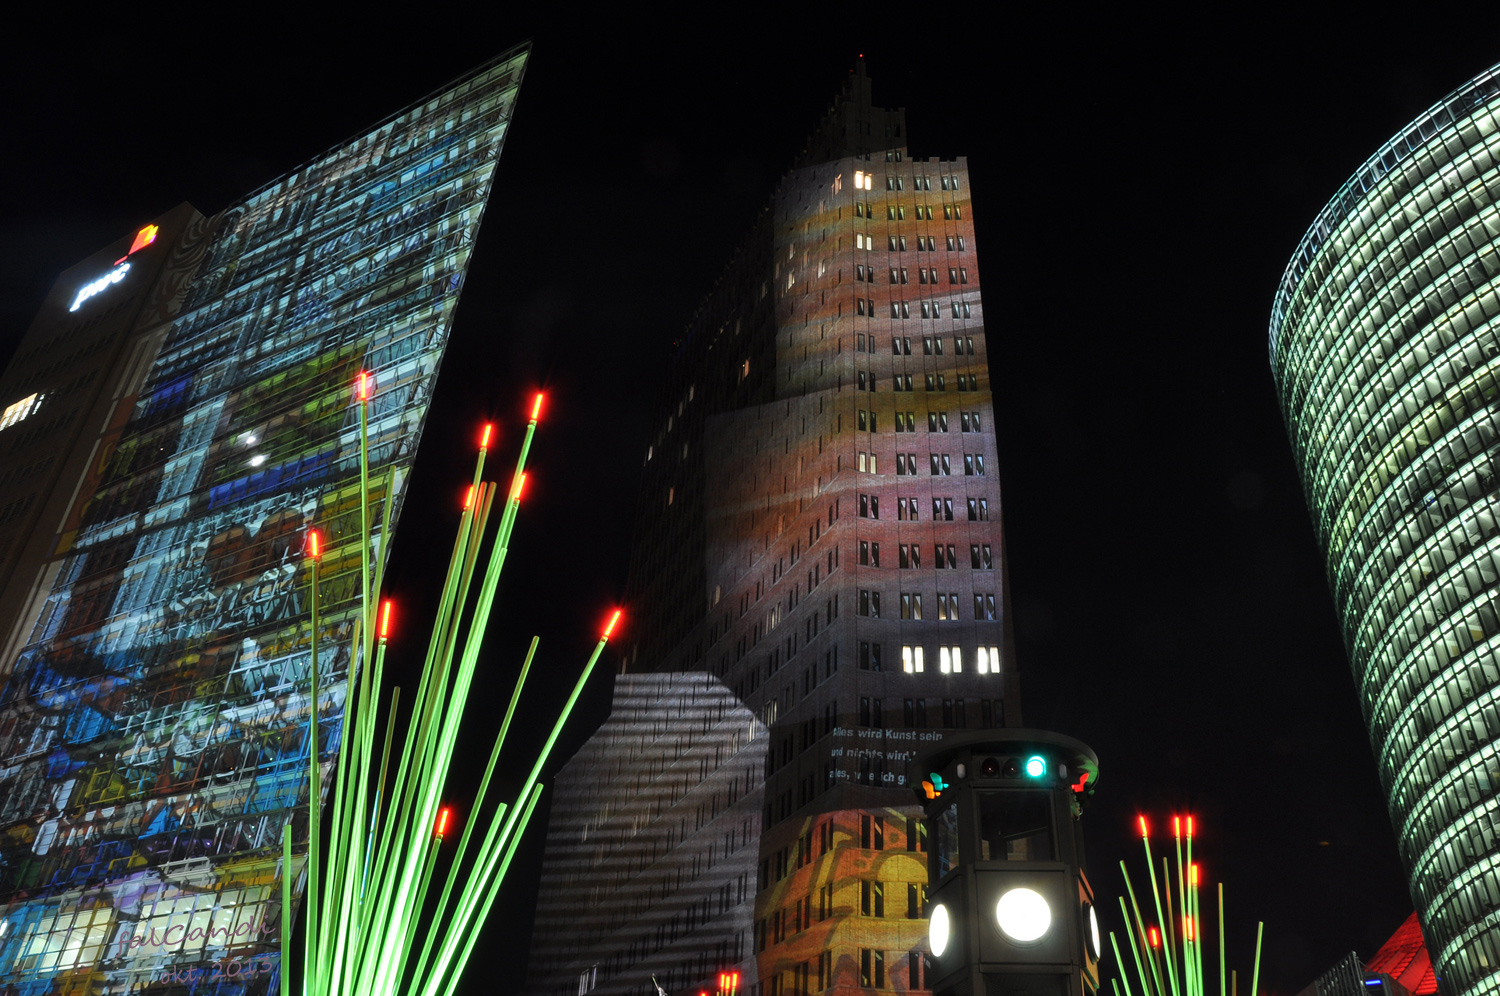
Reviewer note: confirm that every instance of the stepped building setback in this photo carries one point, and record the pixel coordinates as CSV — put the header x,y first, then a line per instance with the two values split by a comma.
x,y
817,588
177,418
1385,346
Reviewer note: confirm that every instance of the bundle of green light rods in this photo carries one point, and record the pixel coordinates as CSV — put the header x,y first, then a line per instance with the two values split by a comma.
x,y
1169,963
369,882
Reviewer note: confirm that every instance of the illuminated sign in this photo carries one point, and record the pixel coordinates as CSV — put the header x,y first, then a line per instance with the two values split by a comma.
x,y
143,238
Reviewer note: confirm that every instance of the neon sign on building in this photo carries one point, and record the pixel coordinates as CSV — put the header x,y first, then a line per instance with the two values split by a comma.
x,y
143,238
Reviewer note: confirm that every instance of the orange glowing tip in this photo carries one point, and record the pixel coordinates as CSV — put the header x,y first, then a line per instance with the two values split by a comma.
x,y
1187,928
442,824
1177,826
1193,873
484,440
314,544
469,496
1190,826
536,406
385,619
364,386
1153,937
611,627
520,486
1142,821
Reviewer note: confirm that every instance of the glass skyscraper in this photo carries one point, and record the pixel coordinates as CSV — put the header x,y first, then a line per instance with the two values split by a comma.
x,y
182,407
1385,346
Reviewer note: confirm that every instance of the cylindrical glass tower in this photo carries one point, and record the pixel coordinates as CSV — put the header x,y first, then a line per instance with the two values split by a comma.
x,y
1385,345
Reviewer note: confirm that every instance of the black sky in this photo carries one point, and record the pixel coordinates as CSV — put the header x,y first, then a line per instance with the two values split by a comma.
x,y
1138,181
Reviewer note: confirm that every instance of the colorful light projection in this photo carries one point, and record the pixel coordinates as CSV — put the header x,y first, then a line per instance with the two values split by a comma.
x,y
156,729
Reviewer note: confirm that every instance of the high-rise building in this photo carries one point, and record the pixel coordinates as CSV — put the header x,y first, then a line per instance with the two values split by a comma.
x,y
177,417
817,588
1385,349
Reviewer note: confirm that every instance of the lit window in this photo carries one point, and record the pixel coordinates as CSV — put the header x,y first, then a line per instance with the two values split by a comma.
x,y
911,659
911,605
18,411
950,660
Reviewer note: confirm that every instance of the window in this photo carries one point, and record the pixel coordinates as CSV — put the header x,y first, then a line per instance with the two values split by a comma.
x,y
984,608
906,509
969,422
898,275
914,898
902,382
938,422
952,211
963,344
869,656
872,832
916,716
932,345
968,382
942,509
911,605
960,309
988,658
979,510
869,713
950,660
868,463
948,606
871,968
931,310
979,555
869,554
869,506
898,243
867,422
906,464
899,309
911,659
906,422
895,212
942,464
869,603
944,554
909,555
872,898
937,382
973,464
901,345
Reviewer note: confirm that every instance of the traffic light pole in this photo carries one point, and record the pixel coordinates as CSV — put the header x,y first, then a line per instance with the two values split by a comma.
x,y
1010,909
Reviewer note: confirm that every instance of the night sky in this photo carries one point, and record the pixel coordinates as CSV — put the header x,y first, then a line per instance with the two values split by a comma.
x,y
1138,183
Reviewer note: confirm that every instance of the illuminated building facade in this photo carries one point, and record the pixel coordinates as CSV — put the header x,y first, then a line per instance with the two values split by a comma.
x,y
818,536
192,421
1385,346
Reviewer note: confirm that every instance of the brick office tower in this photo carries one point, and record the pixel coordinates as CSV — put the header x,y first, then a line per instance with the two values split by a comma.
x,y
819,562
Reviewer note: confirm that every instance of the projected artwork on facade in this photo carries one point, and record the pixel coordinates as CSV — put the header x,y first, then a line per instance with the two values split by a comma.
x,y
153,728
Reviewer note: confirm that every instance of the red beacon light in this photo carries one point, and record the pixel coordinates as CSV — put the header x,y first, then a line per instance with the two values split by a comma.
x,y
484,439
442,823
469,496
1153,937
314,544
611,627
1141,820
362,386
385,619
536,407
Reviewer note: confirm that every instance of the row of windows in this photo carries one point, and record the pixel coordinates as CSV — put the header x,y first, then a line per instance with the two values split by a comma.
x,y
942,508
925,274
926,243
932,345
902,309
914,661
907,421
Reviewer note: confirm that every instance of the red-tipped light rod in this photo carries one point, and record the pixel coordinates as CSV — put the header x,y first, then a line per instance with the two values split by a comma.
x,y
364,386
1142,821
1190,827
611,627
1155,938
442,824
385,619
469,496
314,544
1177,826
536,406
1193,873
520,486
484,440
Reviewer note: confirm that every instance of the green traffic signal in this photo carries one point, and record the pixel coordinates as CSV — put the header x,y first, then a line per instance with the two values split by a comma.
x,y
1036,766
